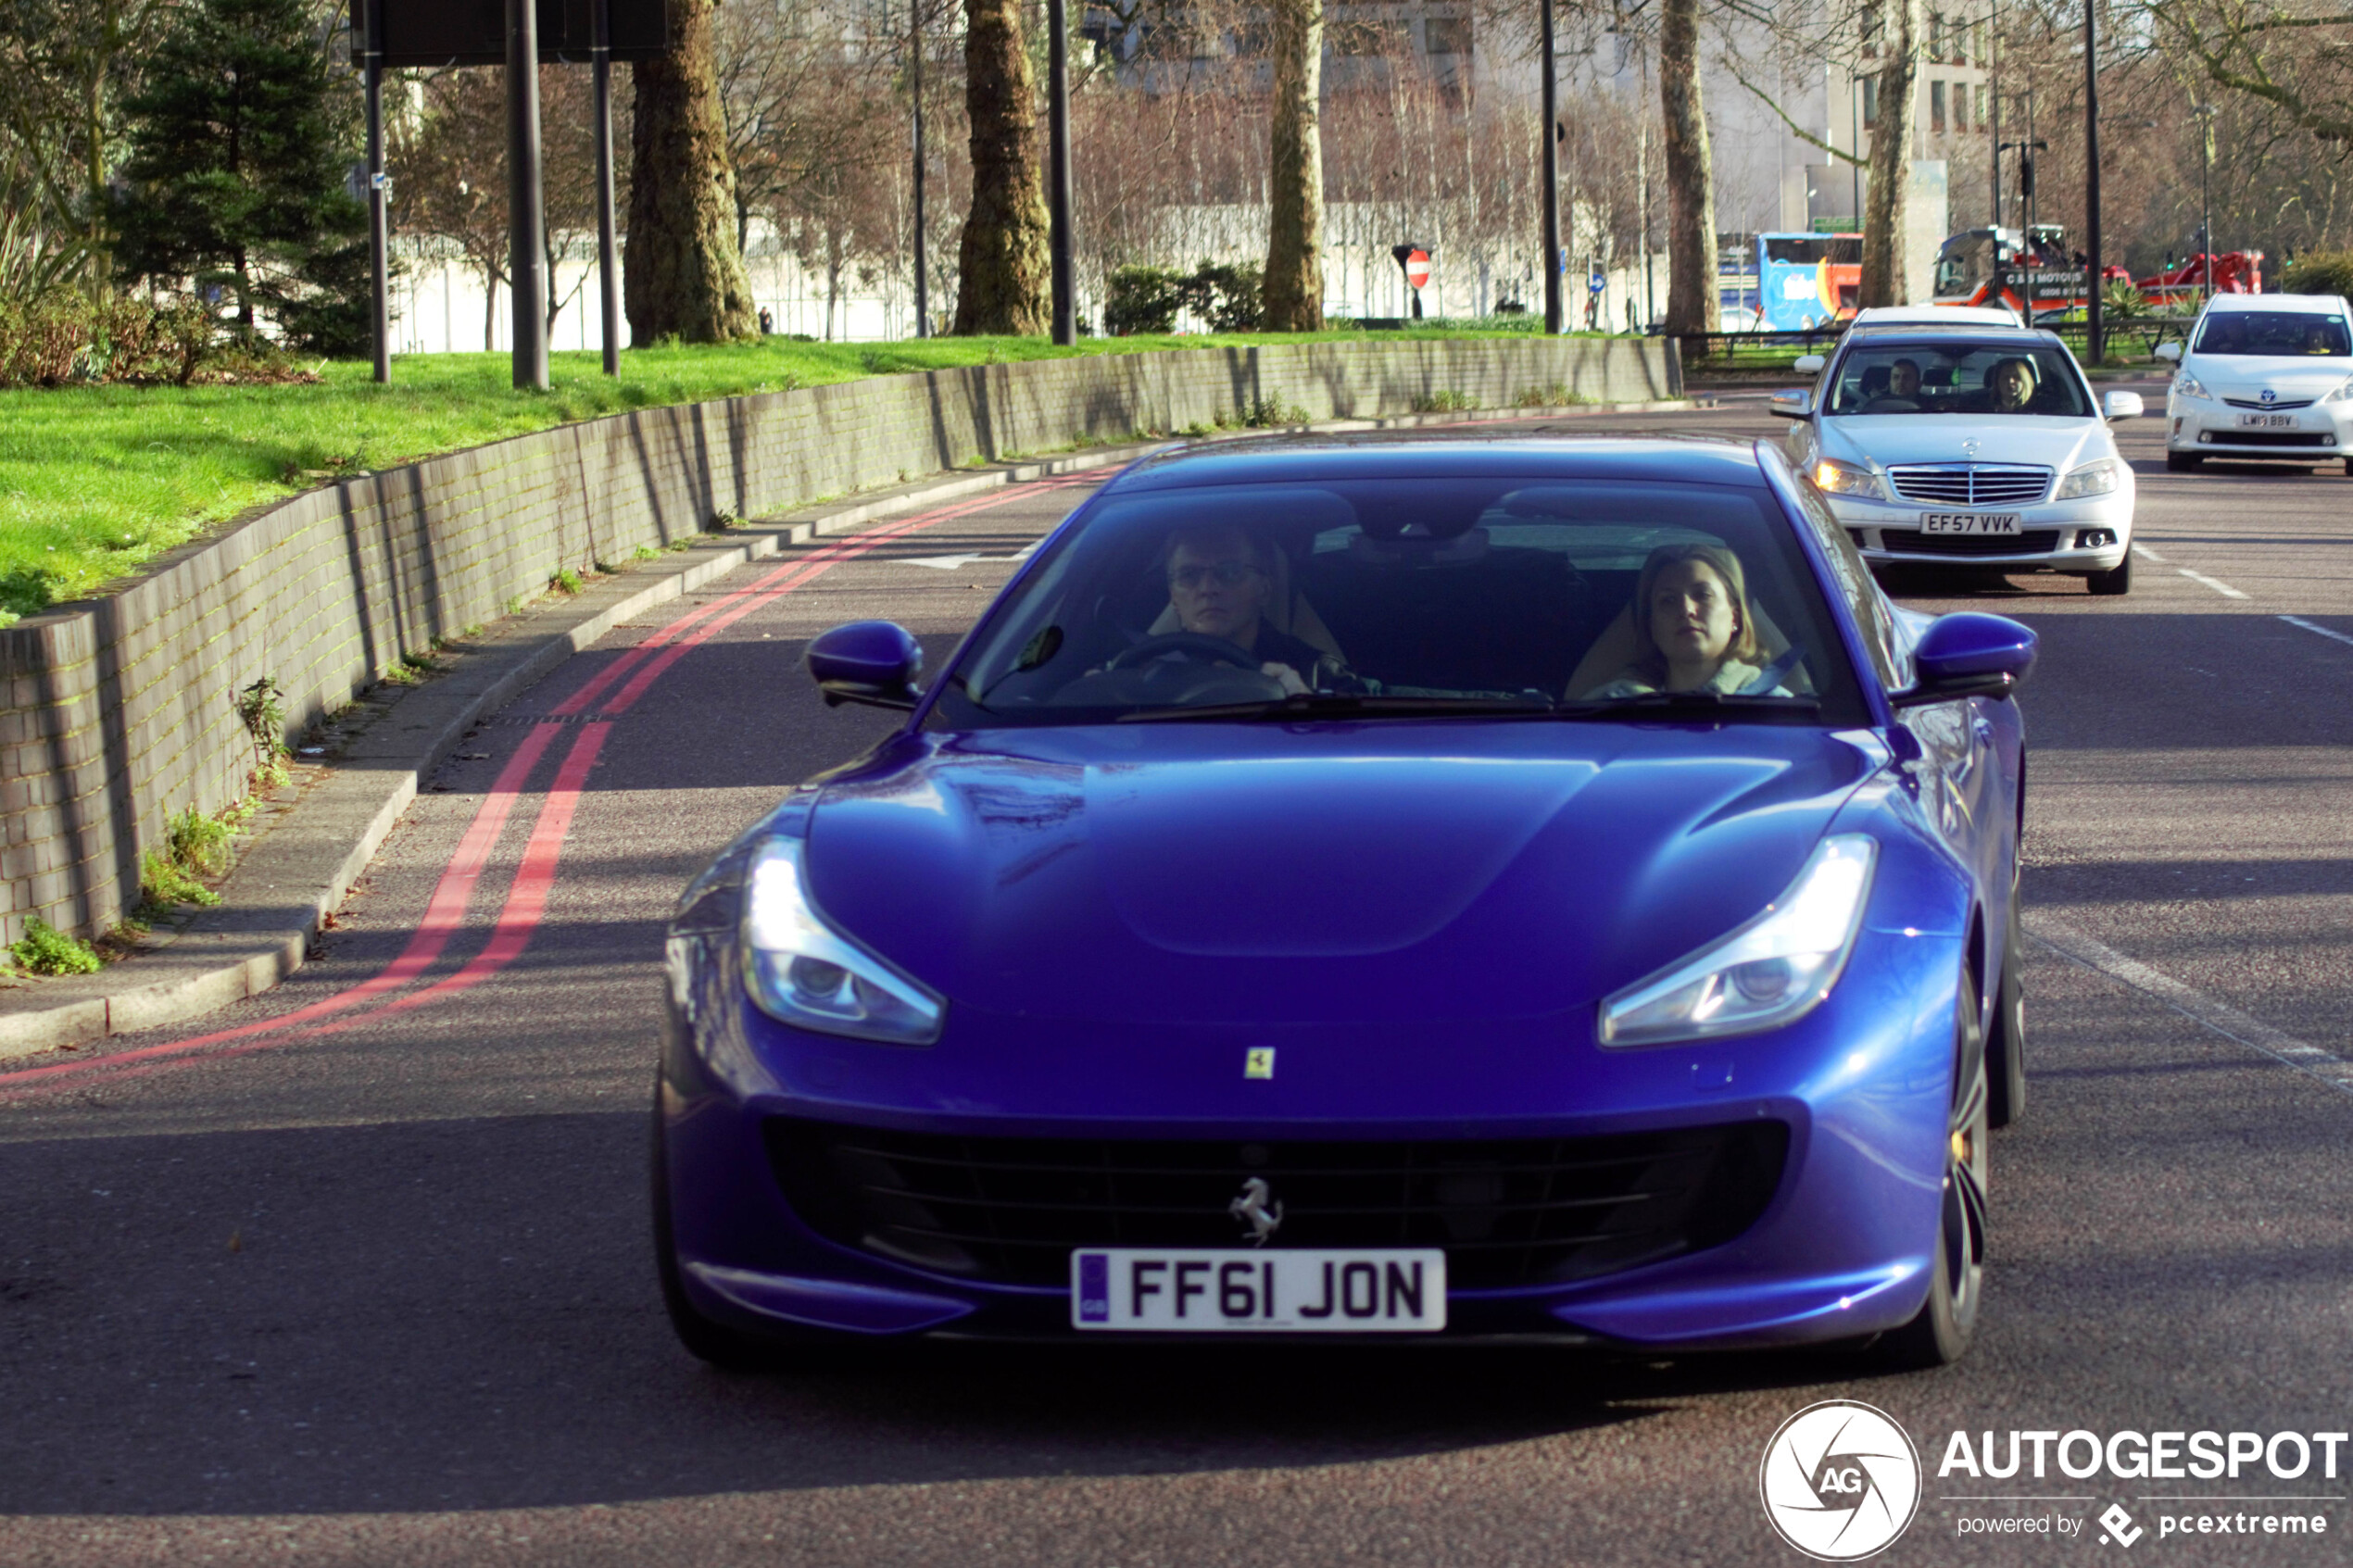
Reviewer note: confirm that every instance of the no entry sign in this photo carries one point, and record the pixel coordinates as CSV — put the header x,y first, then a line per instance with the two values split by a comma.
x,y
1417,268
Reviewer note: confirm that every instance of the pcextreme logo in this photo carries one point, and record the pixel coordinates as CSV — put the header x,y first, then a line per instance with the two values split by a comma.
x,y
1841,1481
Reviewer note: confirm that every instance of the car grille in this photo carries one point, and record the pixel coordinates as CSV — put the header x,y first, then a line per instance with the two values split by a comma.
x,y
2268,407
2271,438
1507,1213
1970,484
1912,541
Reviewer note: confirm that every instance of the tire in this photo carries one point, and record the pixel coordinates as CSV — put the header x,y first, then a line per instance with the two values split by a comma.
x,y
2005,1036
2187,463
1940,1332
2118,579
2348,467
724,1347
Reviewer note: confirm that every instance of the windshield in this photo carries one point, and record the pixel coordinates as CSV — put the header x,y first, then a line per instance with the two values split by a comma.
x,y
2281,334
1390,597
1960,378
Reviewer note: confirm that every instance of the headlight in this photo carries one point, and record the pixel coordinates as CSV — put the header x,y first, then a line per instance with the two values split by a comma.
x,y
803,973
2189,385
2344,394
2091,479
1835,478
1772,970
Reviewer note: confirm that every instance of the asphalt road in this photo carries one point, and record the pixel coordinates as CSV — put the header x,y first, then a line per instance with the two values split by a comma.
x,y
383,1295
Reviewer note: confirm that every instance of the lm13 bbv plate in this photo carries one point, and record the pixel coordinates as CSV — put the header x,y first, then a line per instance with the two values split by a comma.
x,y
1238,1290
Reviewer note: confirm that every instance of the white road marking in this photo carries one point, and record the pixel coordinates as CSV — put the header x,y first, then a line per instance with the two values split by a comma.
x,y
2299,621
2224,1020
2221,587
957,563
2146,553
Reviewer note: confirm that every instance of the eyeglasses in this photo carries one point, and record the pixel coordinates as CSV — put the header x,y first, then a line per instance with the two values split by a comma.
x,y
1225,573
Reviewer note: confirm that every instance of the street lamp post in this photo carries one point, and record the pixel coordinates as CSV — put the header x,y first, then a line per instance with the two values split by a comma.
x,y
1065,309
915,86
2205,113
1551,201
2092,180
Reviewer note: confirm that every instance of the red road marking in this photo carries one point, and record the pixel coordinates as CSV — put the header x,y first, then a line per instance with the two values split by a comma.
x,y
534,877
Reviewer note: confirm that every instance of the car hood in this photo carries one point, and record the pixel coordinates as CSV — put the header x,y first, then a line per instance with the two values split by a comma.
x,y
1211,873
2042,440
2247,375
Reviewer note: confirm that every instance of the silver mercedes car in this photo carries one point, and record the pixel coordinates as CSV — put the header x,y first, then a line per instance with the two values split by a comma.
x,y
1972,445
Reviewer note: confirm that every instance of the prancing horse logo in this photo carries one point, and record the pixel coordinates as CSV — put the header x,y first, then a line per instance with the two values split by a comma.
x,y
1251,1209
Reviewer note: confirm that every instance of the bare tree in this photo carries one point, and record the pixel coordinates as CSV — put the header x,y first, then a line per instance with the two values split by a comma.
x,y
1294,279
1001,259
1884,205
1692,295
684,272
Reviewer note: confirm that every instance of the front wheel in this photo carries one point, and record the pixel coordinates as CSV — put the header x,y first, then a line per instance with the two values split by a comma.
x,y
2005,1040
1940,1334
2187,463
2118,579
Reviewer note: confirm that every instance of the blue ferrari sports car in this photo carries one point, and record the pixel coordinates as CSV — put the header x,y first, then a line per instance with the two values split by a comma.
x,y
1467,887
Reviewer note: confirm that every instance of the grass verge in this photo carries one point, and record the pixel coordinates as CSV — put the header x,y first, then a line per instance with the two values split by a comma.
x,y
97,479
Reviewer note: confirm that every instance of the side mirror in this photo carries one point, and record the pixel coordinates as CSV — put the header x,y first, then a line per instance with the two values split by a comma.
x,y
2170,352
1809,365
1794,405
2121,406
870,662
1968,654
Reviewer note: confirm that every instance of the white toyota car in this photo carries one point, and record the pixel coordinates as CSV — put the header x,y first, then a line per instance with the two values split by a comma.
x,y
1972,445
2267,377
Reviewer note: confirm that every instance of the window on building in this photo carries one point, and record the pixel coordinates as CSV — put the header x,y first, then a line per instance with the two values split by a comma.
x,y
1872,23
1977,49
1936,105
1936,35
1447,35
1870,102
1960,105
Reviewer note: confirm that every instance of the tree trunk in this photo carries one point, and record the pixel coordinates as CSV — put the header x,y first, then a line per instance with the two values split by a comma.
x,y
1891,163
1295,286
490,281
1693,303
682,272
1002,282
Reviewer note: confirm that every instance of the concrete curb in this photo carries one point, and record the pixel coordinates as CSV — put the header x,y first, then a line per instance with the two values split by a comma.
x,y
306,853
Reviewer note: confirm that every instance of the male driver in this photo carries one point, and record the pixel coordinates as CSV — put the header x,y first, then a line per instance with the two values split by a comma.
x,y
1904,381
1219,586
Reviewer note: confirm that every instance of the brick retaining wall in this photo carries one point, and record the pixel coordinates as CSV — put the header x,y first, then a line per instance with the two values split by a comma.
x,y
117,713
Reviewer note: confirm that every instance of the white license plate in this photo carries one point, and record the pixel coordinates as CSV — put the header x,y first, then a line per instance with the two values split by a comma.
x,y
2266,421
1969,523
1240,1290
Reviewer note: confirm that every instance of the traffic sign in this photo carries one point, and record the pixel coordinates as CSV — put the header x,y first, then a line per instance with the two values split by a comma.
x,y
474,33
1417,268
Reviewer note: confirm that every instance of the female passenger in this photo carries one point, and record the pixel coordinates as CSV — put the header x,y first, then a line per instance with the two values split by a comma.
x,y
1693,625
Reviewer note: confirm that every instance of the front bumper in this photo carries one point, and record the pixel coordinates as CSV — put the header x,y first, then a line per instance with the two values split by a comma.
x,y
2321,432
2092,535
1843,1247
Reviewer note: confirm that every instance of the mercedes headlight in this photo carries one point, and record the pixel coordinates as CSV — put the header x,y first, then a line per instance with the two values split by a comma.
x,y
802,972
1834,477
2091,479
2189,385
1772,970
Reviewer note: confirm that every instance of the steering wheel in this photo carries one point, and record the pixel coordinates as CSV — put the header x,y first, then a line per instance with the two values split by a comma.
x,y
1197,647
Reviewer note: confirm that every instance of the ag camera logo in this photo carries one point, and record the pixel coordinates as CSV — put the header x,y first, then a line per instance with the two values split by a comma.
x,y
1841,1480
